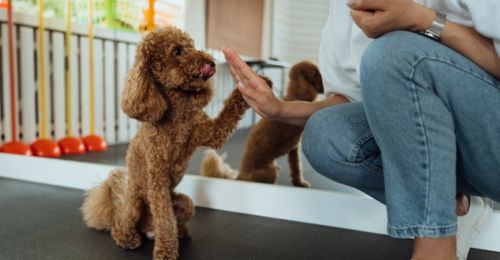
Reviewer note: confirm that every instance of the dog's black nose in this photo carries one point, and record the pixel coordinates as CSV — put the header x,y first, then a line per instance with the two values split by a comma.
x,y
211,63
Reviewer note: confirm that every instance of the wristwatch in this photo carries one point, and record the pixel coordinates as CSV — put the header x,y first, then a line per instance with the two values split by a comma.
x,y
434,31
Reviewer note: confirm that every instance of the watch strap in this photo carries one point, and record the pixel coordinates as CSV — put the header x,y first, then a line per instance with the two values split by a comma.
x,y
434,31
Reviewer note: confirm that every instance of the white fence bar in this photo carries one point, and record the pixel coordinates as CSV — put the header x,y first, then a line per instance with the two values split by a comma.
x,y
28,84
98,87
109,93
6,126
85,85
122,73
75,85
58,75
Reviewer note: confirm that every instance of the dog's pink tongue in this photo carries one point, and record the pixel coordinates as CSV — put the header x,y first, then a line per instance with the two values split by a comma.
x,y
207,70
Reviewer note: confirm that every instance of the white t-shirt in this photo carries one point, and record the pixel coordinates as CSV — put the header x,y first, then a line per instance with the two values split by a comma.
x,y
342,42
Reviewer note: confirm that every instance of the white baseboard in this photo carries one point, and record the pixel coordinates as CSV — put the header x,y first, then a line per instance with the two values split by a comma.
x,y
328,208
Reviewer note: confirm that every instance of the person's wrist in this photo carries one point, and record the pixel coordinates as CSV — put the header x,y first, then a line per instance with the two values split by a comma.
x,y
423,18
280,110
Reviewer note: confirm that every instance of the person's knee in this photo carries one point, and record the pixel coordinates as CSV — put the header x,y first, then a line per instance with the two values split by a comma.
x,y
385,58
331,135
389,49
386,70
336,143
315,134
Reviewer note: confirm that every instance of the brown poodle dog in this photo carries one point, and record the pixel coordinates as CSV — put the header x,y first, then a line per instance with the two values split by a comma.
x,y
269,140
166,90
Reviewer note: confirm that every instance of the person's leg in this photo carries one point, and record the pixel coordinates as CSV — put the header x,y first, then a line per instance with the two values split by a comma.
x,y
338,144
430,110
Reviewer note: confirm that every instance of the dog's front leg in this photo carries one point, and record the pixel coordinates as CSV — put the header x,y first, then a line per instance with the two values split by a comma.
x,y
215,132
165,225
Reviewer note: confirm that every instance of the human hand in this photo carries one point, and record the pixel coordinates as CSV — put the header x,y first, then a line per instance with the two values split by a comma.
x,y
376,17
253,88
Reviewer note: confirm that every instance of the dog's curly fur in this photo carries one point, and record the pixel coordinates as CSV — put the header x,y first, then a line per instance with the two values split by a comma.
x,y
166,90
269,140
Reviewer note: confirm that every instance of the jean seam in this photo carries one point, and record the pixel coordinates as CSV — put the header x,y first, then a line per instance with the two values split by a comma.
x,y
424,136
456,66
422,227
355,150
424,231
372,167
363,163
450,63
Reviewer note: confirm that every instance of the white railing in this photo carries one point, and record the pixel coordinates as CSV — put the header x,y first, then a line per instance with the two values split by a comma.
x,y
114,53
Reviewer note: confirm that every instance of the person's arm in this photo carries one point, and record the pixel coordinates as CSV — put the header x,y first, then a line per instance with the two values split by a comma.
x,y
376,17
261,98
472,45
297,112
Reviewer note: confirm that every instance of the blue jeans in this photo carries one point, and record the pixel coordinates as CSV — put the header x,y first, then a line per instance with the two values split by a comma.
x,y
429,126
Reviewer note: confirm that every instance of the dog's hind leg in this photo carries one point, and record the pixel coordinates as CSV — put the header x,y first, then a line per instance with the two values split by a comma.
x,y
184,211
295,169
266,174
124,230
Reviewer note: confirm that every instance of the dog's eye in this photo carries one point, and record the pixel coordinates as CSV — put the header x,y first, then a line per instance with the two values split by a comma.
x,y
177,51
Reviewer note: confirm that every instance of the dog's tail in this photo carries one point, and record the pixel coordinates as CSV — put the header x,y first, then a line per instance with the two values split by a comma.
x,y
213,165
102,202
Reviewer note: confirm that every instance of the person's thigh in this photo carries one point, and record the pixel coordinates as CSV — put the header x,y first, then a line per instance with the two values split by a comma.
x,y
338,144
467,93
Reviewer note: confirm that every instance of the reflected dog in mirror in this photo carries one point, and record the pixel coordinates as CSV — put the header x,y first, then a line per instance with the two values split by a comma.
x,y
268,140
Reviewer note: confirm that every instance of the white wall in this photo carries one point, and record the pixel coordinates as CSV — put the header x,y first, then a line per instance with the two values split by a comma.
x,y
296,29
195,21
196,24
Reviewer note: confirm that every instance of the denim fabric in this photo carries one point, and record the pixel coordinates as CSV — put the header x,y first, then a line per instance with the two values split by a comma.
x,y
429,123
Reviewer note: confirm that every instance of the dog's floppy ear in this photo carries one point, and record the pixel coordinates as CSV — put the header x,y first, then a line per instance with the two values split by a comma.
x,y
306,73
141,99
312,75
318,85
